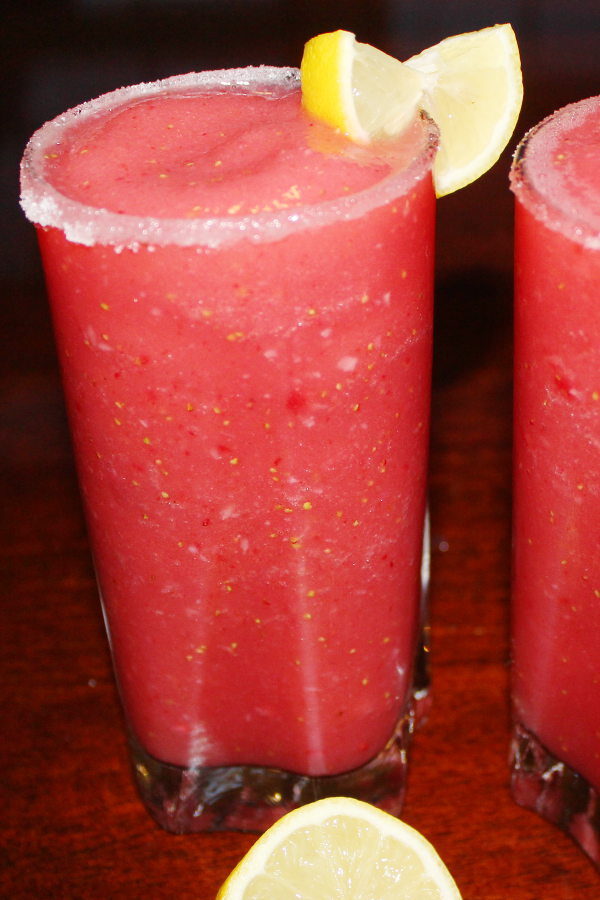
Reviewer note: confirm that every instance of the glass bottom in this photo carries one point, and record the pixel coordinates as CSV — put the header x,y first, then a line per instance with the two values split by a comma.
x,y
541,782
251,798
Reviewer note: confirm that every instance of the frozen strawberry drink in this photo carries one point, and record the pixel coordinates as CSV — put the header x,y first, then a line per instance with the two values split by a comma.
x,y
556,600
242,301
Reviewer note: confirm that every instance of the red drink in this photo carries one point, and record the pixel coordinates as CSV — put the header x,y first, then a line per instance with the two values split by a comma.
x,y
242,302
556,598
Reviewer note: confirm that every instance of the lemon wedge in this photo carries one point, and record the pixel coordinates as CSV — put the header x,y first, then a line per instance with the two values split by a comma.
x,y
473,90
470,84
357,88
342,848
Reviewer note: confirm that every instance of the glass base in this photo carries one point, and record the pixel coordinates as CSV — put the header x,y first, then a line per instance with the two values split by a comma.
x,y
251,798
541,782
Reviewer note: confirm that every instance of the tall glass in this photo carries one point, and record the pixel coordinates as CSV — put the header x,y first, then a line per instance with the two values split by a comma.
x,y
242,302
556,593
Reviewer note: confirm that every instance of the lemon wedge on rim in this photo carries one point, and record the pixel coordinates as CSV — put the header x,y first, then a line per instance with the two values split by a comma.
x,y
357,88
470,84
343,848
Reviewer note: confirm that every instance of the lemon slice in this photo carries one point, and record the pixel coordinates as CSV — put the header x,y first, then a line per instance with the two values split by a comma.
x,y
357,88
473,89
342,848
470,84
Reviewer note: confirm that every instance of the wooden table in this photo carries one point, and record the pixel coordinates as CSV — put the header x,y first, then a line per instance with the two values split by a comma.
x,y
72,825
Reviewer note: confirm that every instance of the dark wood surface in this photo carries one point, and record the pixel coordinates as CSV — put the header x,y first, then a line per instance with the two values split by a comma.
x,y
72,825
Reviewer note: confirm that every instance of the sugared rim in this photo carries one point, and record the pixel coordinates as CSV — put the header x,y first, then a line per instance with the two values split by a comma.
x,y
542,204
45,206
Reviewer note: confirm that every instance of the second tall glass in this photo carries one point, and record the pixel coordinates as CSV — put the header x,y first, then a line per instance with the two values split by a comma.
x,y
556,593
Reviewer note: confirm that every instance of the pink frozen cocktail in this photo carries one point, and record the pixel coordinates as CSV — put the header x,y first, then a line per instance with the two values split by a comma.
x,y
242,302
556,600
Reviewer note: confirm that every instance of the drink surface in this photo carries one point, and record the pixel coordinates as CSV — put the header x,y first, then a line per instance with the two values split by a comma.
x,y
213,154
558,176
250,419
162,161
556,606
